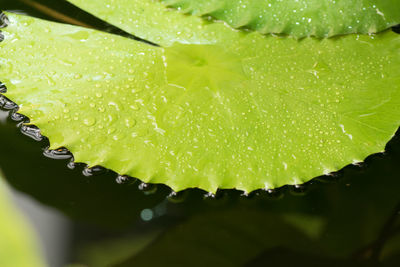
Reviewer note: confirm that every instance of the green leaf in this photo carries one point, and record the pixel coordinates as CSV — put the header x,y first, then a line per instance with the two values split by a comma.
x,y
322,18
18,246
151,21
241,111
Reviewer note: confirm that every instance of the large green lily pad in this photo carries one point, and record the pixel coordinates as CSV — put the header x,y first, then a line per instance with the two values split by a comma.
x,y
214,108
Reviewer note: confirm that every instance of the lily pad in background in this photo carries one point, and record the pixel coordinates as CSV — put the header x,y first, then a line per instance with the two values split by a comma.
x,y
321,18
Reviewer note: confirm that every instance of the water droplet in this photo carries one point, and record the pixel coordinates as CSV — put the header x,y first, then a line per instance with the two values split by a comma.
x,y
135,107
32,131
96,170
18,117
209,195
3,20
71,165
3,88
60,153
124,179
7,103
148,188
113,104
89,121
111,130
177,197
130,123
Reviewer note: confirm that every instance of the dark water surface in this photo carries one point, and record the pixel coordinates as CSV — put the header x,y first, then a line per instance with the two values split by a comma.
x,y
348,219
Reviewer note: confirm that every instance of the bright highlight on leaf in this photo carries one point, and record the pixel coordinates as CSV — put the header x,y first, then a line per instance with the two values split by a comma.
x,y
214,108
300,18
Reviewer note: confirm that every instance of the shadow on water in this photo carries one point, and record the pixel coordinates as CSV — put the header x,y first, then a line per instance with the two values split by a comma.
x,y
347,219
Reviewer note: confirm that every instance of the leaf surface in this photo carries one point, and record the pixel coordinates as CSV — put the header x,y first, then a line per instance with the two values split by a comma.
x,y
152,21
229,110
322,18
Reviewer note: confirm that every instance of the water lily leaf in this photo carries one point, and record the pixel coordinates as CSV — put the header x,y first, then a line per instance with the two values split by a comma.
x,y
18,246
247,112
151,21
298,18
